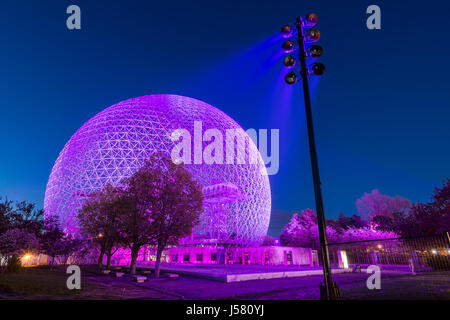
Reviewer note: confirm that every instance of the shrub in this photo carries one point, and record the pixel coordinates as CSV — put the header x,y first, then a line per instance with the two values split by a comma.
x,y
14,265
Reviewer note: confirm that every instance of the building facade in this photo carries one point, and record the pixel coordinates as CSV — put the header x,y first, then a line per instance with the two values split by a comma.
x,y
212,254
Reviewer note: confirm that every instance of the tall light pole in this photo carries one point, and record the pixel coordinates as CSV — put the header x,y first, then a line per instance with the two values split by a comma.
x,y
329,290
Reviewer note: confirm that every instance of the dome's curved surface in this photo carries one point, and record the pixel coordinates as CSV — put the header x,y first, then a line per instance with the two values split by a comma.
x,y
114,144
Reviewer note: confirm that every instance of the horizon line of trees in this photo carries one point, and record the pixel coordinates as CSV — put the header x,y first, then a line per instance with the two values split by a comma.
x,y
380,217
161,203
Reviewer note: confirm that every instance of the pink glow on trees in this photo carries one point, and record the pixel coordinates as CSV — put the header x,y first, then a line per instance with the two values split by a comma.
x,y
302,231
16,242
166,198
365,233
375,204
99,220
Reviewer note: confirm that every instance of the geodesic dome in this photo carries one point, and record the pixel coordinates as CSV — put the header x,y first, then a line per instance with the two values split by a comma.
x,y
114,143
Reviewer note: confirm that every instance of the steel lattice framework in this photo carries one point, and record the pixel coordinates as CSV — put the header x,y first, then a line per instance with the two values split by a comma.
x,y
114,144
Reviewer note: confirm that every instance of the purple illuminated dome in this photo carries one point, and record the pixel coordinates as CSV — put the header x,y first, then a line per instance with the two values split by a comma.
x,y
114,144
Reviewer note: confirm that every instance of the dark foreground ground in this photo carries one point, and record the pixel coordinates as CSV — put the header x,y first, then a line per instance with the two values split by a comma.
x,y
46,283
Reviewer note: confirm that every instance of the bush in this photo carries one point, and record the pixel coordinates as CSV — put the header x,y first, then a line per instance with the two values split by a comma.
x,y
14,265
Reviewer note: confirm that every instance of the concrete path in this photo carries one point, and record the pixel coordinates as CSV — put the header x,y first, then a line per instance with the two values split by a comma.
x,y
236,273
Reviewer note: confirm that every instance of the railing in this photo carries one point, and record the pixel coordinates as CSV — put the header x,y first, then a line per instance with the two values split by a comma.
x,y
422,253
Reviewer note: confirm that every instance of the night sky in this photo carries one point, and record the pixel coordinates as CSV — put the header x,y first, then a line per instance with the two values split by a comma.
x,y
381,111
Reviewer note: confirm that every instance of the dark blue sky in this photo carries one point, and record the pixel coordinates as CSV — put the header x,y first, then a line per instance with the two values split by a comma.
x,y
381,110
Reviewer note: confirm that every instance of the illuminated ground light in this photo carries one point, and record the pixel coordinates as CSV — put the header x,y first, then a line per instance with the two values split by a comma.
x,y
114,144
27,257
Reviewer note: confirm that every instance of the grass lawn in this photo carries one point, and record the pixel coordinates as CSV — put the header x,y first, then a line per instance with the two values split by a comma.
x,y
33,281
46,283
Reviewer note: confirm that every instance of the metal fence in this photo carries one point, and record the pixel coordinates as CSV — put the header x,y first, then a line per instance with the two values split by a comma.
x,y
422,253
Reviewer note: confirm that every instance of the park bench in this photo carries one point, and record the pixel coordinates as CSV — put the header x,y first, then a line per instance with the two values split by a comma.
x,y
119,274
138,278
146,272
172,275
106,271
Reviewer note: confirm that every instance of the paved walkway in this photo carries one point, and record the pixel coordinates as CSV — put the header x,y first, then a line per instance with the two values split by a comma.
x,y
51,284
433,285
236,273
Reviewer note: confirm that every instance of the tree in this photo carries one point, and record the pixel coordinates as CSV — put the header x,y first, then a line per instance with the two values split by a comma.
x,y
15,242
135,226
21,215
54,243
358,222
302,231
167,204
6,211
99,220
67,247
383,223
384,212
268,241
354,221
20,226
50,238
365,233
429,218
30,218
441,203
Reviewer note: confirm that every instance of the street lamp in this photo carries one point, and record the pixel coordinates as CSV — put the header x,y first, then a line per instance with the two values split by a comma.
x,y
313,35
290,78
329,290
315,51
287,31
317,68
288,46
289,61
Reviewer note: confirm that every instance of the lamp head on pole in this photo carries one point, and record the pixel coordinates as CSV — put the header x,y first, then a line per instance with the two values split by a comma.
x,y
289,61
310,20
315,51
287,31
317,68
290,78
288,46
313,35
